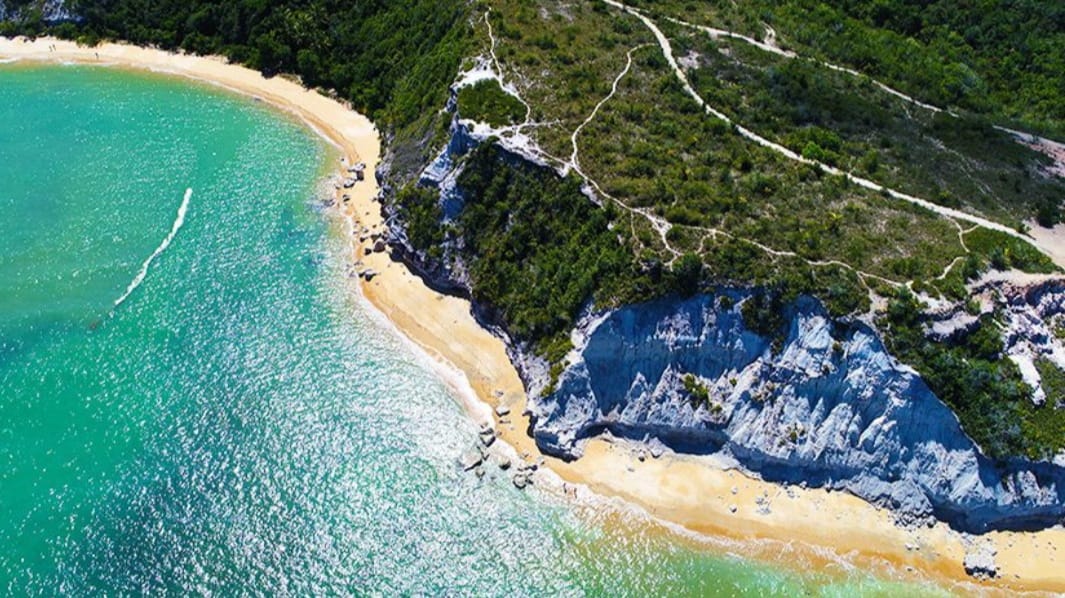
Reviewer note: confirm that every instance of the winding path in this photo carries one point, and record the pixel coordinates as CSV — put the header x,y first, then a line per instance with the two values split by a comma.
x,y
667,51
574,160
774,49
509,89
660,225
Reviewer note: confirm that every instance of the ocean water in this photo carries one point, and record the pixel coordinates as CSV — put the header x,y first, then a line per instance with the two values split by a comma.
x,y
240,423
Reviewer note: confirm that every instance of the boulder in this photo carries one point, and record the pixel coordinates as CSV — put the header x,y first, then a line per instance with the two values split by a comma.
x,y
980,562
470,459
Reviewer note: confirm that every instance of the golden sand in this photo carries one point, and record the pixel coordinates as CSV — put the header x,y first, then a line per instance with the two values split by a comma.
x,y
693,492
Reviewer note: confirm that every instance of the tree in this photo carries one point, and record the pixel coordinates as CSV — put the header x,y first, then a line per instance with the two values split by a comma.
x,y
687,274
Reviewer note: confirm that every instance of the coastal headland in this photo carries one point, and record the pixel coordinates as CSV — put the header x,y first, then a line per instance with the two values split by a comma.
x,y
789,525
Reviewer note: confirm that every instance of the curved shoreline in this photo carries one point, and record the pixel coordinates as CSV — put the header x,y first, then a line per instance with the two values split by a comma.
x,y
696,493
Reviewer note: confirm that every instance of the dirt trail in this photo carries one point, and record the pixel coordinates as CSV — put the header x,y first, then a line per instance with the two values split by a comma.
x,y
667,51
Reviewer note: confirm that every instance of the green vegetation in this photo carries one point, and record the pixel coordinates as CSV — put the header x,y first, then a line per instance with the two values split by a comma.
x,y
393,60
1005,58
1048,429
981,386
1002,59
684,203
1004,252
566,56
717,181
653,148
537,249
755,218
696,390
849,123
421,211
1053,381
485,101
764,313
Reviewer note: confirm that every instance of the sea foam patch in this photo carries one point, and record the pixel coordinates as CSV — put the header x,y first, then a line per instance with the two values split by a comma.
x,y
178,222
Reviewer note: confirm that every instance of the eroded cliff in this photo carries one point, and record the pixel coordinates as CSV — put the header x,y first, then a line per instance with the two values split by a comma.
x,y
827,407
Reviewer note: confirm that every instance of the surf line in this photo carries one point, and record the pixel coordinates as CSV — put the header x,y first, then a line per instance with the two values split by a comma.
x,y
178,222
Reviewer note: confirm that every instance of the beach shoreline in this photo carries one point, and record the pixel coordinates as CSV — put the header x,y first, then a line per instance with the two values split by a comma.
x,y
697,494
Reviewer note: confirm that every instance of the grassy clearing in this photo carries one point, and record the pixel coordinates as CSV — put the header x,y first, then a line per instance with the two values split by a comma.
x,y
1046,425
652,147
563,58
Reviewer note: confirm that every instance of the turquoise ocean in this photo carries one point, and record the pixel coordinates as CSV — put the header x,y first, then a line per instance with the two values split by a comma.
x,y
240,423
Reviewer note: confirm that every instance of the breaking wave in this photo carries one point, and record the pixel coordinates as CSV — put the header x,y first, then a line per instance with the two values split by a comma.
x,y
178,222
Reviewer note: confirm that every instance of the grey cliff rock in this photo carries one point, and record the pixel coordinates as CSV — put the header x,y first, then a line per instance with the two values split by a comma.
x,y
830,408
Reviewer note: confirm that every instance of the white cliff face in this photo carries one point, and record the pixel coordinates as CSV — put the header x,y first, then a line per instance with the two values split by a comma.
x,y
830,408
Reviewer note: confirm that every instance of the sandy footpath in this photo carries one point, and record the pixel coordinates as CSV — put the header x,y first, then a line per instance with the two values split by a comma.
x,y
791,525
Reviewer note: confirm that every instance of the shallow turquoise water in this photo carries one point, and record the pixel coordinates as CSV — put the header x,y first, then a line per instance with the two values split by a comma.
x,y
242,424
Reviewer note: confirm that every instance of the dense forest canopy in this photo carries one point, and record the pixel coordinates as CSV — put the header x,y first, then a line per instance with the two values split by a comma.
x,y
993,56
393,59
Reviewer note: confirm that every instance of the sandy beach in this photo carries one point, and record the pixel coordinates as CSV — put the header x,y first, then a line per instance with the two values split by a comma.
x,y
696,493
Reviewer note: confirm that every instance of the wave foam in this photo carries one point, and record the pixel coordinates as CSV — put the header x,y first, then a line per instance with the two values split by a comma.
x,y
178,222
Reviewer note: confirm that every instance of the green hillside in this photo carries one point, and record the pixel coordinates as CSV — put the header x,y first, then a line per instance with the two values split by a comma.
x,y
798,176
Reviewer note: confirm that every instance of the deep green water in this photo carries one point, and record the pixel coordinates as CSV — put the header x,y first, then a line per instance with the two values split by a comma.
x,y
241,423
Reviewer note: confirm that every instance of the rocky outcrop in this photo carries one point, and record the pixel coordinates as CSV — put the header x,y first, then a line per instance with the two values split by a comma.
x,y
980,561
443,172
445,275
1031,310
51,11
1034,318
830,407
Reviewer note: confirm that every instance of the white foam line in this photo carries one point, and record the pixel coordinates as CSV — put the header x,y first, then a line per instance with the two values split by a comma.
x,y
178,222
